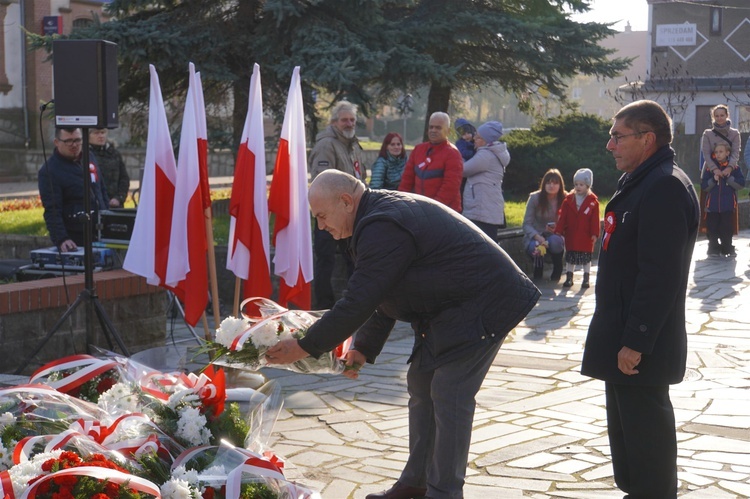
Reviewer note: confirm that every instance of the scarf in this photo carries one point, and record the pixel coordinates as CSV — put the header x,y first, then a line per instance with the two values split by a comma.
x,y
722,129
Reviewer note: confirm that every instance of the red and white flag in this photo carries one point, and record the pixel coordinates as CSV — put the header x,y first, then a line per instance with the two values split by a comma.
x,y
248,252
292,238
149,244
187,269
202,133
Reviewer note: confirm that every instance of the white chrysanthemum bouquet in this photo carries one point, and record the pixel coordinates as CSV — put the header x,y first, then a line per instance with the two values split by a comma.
x,y
242,342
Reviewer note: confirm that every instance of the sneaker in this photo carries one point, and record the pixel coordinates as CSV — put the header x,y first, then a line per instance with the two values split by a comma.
x,y
732,253
713,252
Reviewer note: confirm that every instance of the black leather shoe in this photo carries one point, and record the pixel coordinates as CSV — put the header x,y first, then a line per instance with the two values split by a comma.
x,y
399,491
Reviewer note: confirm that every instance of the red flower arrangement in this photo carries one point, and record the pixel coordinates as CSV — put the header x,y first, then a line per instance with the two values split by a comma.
x,y
73,486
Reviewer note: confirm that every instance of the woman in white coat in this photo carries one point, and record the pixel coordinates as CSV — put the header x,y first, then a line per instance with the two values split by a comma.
x,y
482,195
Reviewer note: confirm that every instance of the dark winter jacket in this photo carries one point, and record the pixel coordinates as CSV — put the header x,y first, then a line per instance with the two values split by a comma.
x,y
577,225
721,196
419,262
651,224
116,179
465,147
61,189
435,171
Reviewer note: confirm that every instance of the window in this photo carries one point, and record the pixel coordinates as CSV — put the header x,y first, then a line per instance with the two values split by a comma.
x,y
743,120
82,22
715,21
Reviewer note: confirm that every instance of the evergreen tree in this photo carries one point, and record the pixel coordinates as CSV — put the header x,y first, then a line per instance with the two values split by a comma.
x,y
367,51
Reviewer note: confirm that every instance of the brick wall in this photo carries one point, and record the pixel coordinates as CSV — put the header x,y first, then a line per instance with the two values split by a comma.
x,y
29,310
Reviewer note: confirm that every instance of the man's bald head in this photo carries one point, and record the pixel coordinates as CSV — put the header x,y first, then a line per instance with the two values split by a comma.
x,y
333,183
334,197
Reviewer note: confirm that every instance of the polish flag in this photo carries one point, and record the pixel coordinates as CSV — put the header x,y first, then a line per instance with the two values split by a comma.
x,y
202,132
248,252
149,244
288,201
187,269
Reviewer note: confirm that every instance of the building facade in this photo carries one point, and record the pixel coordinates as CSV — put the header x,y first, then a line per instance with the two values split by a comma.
x,y
699,57
26,75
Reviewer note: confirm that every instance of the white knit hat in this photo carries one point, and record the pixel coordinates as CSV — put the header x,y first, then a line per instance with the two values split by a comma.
x,y
584,175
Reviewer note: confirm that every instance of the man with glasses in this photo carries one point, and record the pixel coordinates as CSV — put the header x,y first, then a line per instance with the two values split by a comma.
x,y
336,147
637,342
61,188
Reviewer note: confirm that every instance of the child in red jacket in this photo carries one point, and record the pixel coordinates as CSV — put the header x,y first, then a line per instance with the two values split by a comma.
x,y
578,223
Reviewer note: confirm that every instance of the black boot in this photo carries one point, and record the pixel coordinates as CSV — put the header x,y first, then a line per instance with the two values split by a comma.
x,y
585,283
557,266
569,280
713,246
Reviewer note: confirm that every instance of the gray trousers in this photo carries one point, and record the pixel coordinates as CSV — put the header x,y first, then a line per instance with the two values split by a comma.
x,y
441,414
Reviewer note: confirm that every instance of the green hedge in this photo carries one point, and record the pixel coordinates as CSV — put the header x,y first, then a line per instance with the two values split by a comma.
x,y
567,143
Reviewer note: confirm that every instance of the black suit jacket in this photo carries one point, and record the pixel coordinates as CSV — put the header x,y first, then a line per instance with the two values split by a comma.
x,y
418,261
651,224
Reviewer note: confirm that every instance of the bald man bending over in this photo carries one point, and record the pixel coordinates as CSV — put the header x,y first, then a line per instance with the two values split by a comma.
x,y
418,261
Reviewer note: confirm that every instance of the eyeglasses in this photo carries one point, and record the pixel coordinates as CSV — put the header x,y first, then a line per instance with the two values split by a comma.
x,y
71,142
616,138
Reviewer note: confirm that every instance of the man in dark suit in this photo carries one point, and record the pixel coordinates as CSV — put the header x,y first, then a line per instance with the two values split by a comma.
x,y
419,261
637,342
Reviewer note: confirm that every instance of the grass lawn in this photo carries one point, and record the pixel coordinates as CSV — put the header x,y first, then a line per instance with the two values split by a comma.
x,y
30,221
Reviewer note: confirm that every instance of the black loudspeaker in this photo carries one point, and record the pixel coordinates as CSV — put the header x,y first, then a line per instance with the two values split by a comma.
x,y
85,83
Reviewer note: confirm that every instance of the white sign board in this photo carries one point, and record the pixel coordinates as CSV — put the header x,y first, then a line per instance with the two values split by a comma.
x,y
671,35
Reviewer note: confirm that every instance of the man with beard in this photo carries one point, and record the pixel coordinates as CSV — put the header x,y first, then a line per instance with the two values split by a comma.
x,y
336,147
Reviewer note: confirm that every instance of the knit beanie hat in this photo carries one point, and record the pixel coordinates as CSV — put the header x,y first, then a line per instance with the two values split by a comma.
x,y
491,131
583,175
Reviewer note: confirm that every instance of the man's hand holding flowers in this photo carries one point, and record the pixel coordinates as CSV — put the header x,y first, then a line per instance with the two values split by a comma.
x,y
285,352
353,362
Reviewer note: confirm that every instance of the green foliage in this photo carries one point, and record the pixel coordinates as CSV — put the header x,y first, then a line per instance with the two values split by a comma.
x,y
230,425
29,222
368,51
567,142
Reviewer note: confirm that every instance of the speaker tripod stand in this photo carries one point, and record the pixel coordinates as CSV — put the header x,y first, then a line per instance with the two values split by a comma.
x,y
88,296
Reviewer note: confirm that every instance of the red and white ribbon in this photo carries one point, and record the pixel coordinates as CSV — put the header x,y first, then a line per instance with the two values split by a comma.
x,y
6,486
253,466
88,367
101,434
113,476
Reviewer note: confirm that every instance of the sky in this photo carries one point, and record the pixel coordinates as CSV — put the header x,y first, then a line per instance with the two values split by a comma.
x,y
619,12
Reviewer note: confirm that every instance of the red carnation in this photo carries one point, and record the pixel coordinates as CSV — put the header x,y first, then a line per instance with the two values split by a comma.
x,y
66,480
105,384
63,494
111,489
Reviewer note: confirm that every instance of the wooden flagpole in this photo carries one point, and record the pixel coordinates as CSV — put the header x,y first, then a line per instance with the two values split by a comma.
x,y
212,279
237,291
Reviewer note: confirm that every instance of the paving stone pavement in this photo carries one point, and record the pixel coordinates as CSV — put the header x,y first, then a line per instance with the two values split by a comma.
x,y
540,426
